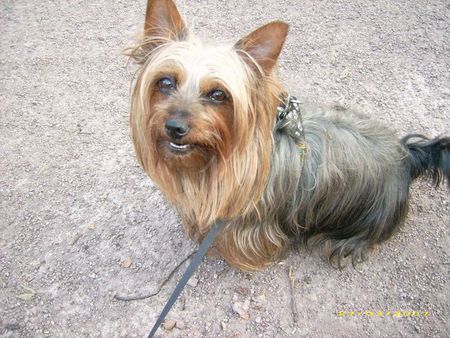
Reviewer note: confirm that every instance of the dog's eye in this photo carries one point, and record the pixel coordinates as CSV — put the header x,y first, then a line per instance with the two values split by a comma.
x,y
217,95
166,84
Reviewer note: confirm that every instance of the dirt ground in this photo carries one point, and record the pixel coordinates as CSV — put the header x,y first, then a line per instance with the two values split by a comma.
x,y
80,221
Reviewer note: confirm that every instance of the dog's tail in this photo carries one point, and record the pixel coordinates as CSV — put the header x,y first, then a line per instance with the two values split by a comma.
x,y
428,157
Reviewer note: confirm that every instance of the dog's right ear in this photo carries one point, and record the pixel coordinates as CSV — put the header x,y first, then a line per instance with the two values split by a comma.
x,y
163,21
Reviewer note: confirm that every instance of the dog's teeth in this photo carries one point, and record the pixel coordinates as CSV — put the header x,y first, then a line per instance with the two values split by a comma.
x,y
179,146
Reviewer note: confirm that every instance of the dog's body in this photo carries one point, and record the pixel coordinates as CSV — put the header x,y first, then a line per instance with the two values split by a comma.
x,y
205,128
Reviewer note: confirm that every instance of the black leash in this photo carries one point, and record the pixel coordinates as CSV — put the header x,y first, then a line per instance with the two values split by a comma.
x,y
188,273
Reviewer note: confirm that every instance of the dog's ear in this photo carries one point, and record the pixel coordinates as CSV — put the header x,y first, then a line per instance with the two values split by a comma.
x,y
264,44
162,20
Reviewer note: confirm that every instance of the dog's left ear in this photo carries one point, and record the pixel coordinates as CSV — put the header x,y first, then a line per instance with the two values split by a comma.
x,y
162,20
264,44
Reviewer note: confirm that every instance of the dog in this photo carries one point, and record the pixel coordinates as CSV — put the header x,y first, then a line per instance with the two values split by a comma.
x,y
214,128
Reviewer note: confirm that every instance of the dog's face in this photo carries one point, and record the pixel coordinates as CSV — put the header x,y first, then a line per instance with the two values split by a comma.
x,y
193,104
191,97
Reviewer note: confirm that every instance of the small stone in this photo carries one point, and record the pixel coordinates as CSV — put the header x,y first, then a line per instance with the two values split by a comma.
x,y
169,324
26,296
302,332
242,290
181,325
75,239
126,263
261,300
192,282
241,309
258,319
223,326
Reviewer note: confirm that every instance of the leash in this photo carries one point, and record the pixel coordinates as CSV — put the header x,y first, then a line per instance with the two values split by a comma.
x,y
212,234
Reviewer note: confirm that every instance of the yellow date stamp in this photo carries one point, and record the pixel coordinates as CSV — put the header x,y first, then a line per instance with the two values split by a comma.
x,y
380,314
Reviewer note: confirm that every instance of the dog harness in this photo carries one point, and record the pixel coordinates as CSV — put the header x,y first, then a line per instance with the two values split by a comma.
x,y
289,121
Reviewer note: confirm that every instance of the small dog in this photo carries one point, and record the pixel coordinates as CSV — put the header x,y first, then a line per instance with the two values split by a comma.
x,y
215,130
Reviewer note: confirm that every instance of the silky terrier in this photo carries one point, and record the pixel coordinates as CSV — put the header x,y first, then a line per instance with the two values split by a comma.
x,y
214,128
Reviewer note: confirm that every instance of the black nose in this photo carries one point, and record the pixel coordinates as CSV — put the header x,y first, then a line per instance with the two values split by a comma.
x,y
176,129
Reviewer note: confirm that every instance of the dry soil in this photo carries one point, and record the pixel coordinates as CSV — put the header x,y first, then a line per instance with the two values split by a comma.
x,y
80,221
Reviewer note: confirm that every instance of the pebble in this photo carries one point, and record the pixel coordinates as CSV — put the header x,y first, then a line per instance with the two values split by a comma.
x,y
223,326
261,300
242,290
302,332
242,309
169,324
181,325
192,282
126,263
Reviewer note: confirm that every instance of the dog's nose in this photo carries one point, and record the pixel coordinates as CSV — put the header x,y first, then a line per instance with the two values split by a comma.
x,y
176,129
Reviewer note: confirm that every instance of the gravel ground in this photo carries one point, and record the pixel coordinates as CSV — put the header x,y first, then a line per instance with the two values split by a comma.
x,y
80,221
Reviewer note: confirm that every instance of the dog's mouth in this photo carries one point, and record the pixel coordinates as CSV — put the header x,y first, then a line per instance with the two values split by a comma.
x,y
186,154
184,150
179,149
